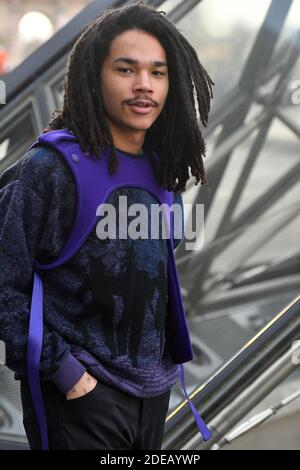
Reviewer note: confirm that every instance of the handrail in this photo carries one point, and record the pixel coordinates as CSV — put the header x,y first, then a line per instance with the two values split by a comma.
x,y
228,382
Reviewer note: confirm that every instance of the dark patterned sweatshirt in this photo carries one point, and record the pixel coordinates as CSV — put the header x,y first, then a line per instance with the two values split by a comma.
x,y
105,308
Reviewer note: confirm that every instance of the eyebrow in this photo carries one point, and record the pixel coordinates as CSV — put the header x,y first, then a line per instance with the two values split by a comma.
x,y
128,60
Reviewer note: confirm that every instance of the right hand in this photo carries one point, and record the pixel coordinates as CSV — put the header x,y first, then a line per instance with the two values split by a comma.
x,y
85,385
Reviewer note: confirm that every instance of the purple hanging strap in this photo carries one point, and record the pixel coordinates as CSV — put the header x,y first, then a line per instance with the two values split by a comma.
x,y
205,432
34,349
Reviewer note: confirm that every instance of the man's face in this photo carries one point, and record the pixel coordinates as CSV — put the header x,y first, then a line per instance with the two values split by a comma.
x,y
135,69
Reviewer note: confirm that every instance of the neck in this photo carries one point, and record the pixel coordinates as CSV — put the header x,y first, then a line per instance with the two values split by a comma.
x,y
131,142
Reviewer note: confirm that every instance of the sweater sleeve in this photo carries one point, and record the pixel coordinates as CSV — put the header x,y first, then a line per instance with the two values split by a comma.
x,y
26,193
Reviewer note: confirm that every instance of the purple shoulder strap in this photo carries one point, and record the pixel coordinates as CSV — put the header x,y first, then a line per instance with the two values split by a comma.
x,y
94,184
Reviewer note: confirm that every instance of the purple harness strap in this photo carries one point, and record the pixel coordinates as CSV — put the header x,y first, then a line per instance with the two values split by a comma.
x,y
94,184
35,340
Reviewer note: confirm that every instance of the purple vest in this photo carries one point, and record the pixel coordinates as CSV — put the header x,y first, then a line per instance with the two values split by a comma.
x,y
94,185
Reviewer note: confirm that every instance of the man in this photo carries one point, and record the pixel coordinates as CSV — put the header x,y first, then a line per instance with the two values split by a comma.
x,y
106,369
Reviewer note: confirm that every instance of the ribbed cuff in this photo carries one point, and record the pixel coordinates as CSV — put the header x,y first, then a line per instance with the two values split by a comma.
x,y
68,374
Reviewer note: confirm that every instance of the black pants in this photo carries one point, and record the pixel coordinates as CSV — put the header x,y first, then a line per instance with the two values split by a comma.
x,y
104,419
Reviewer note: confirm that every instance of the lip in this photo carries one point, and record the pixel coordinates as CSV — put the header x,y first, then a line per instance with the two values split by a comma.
x,y
141,110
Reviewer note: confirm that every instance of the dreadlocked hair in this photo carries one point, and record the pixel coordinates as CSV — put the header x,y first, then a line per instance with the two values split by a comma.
x,y
175,136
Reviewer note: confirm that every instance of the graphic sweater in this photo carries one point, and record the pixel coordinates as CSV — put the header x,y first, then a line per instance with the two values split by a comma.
x,y
104,309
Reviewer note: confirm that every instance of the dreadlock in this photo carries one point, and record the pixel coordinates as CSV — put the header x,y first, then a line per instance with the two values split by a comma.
x,y
175,135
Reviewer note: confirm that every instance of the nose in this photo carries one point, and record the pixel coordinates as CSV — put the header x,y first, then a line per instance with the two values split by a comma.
x,y
143,83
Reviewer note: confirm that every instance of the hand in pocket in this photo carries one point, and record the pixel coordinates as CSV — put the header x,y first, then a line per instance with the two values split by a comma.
x,y
85,385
